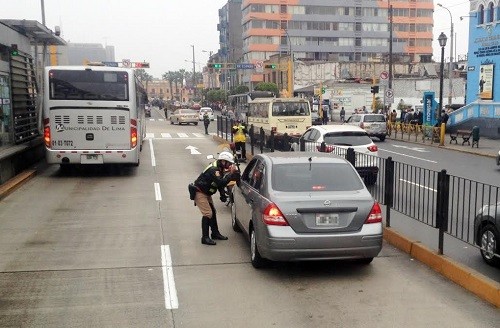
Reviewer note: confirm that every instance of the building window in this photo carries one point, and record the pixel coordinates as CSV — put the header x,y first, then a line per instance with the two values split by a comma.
x,y
480,18
283,9
358,26
491,13
358,11
358,42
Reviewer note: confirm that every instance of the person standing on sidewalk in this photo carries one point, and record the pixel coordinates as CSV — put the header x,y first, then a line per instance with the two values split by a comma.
x,y
342,115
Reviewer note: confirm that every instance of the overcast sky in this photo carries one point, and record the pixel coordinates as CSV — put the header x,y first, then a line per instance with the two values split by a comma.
x,y
162,31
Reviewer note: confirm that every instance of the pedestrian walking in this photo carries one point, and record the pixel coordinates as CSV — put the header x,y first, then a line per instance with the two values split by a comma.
x,y
206,121
325,114
342,115
214,178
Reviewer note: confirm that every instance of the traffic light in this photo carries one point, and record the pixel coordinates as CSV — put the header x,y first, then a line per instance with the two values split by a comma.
x,y
323,90
216,66
142,65
374,89
13,50
271,66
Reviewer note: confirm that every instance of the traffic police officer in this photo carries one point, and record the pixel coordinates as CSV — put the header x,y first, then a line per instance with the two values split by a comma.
x,y
215,177
239,131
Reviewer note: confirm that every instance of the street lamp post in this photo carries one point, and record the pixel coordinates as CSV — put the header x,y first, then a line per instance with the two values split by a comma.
x,y
442,42
194,75
290,65
450,64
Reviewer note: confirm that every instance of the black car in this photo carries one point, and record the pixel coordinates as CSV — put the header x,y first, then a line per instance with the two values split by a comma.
x,y
486,233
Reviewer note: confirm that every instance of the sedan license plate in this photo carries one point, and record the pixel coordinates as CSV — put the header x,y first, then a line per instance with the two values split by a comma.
x,y
327,219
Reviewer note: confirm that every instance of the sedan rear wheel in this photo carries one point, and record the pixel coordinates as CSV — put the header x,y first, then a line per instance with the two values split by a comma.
x,y
257,261
489,243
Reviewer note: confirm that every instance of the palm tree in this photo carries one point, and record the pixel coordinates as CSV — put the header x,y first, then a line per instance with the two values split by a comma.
x,y
170,77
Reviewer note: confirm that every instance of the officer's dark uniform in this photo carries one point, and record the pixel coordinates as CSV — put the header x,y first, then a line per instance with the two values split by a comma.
x,y
211,180
206,122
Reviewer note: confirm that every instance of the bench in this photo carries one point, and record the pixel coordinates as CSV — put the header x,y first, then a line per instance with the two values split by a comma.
x,y
465,135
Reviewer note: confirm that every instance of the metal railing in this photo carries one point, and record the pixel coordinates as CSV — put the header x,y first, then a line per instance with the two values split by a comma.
x,y
435,198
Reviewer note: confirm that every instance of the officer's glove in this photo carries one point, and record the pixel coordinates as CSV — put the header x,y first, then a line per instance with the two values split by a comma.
x,y
223,198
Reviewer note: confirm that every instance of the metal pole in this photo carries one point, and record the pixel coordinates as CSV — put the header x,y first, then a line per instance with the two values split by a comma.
x,y
194,75
450,64
390,45
441,78
450,67
290,66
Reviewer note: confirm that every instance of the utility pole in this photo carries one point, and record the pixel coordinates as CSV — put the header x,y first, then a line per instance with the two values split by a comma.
x,y
194,74
390,45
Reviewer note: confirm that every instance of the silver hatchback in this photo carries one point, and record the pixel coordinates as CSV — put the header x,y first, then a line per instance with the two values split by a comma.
x,y
306,206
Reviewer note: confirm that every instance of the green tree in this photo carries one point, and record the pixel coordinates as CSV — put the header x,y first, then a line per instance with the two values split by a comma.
x,y
267,86
143,76
239,89
170,77
216,95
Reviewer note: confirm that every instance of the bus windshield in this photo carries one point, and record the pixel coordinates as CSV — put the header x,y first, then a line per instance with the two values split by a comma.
x,y
290,109
88,85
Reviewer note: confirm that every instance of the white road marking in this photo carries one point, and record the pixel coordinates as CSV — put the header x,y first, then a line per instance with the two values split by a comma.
x,y
150,135
171,301
166,135
157,191
201,135
161,119
153,160
421,159
418,185
182,135
419,149
193,150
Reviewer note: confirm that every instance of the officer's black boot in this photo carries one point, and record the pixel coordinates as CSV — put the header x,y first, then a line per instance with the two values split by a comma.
x,y
215,229
205,224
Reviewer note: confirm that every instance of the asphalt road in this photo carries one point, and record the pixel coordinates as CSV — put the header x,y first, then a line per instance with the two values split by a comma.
x,y
108,247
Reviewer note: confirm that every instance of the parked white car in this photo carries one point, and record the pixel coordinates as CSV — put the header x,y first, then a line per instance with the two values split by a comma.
x,y
204,110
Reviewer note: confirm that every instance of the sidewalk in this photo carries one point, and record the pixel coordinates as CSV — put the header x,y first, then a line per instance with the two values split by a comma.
x,y
487,147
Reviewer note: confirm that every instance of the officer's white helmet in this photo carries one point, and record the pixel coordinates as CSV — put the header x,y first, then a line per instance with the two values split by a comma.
x,y
227,156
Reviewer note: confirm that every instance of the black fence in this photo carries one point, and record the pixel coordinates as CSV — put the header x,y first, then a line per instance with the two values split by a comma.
x,y
448,203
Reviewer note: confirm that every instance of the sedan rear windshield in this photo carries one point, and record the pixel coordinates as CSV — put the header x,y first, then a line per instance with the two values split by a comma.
x,y
88,85
318,177
374,118
347,138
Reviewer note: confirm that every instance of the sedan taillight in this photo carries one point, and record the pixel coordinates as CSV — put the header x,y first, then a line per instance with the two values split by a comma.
x,y
273,216
375,215
373,148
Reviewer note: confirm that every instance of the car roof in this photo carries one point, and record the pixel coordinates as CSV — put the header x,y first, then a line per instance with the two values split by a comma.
x,y
338,128
301,157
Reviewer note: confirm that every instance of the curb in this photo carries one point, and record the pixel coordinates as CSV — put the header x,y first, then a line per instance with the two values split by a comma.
x,y
15,182
478,284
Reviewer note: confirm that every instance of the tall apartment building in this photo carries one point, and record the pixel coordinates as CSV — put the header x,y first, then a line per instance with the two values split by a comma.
x,y
336,30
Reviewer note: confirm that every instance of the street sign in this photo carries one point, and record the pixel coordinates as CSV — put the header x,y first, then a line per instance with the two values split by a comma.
x,y
126,62
110,64
389,96
384,75
259,66
245,66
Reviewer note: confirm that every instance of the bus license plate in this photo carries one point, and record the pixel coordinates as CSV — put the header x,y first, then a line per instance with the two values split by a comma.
x,y
291,126
91,159
328,219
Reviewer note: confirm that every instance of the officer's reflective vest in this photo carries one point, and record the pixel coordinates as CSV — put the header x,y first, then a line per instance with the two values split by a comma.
x,y
239,134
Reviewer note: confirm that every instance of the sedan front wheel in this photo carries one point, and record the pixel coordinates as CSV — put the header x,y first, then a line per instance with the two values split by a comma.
x,y
489,243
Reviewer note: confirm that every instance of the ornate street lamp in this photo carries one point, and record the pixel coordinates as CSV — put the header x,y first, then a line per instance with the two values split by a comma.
x,y
442,42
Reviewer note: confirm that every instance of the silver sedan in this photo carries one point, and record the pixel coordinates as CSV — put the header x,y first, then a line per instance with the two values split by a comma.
x,y
305,206
184,116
